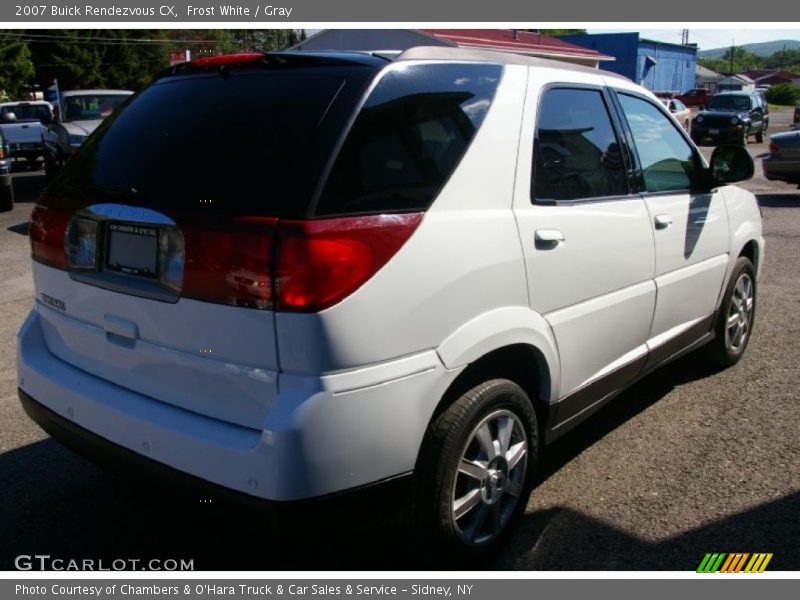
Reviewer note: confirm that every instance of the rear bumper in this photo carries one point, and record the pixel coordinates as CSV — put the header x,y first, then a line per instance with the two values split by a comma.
x,y
729,133
26,150
782,170
323,435
154,475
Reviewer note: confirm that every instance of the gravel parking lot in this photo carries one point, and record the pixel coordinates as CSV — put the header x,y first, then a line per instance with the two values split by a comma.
x,y
686,462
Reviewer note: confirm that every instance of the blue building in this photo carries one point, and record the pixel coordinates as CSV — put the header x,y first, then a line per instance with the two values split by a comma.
x,y
658,66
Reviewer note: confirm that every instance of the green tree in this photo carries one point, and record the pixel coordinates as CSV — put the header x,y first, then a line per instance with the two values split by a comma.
x,y
67,55
784,59
266,39
16,67
742,60
785,94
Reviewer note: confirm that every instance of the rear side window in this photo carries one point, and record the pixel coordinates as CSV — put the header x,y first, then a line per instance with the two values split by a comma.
x,y
577,154
238,143
409,137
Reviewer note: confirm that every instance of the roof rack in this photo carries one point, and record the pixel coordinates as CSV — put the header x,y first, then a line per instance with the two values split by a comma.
x,y
506,58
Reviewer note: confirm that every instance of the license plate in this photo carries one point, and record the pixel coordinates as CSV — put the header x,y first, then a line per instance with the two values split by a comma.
x,y
132,249
713,131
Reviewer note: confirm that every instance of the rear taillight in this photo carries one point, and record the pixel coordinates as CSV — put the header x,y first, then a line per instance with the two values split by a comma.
x,y
320,262
774,148
254,262
47,231
229,261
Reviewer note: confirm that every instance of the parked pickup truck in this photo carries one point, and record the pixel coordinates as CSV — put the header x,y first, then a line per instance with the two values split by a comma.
x,y
22,123
695,97
78,113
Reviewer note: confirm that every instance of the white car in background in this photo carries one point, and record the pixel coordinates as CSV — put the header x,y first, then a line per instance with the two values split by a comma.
x,y
410,275
681,112
77,115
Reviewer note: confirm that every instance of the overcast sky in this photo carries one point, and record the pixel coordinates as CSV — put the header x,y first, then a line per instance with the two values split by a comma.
x,y
715,38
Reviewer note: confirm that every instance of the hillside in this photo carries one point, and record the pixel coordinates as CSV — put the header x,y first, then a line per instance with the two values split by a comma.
x,y
764,49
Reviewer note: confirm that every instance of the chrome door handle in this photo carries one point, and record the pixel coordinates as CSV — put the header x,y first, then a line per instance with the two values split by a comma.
x,y
663,221
546,239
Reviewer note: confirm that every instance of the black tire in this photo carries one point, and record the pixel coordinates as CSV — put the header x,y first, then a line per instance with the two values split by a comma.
x,y
50,168
760,137
721,350
453,434
6,198
743,138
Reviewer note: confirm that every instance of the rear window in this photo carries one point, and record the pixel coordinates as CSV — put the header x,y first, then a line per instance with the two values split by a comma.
x,y
408,138
25,112
237,143
83,107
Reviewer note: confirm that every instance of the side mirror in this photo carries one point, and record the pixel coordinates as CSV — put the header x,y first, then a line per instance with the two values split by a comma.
x,y
46,119
702,107
730,164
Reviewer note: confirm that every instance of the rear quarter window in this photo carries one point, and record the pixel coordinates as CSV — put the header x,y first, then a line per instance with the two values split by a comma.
x,y
408,138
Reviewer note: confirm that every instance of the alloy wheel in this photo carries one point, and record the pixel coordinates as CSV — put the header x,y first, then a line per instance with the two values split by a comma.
x,y
490,477
740,313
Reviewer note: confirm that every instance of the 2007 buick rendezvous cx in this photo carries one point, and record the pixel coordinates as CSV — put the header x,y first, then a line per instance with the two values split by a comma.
x,y
292,275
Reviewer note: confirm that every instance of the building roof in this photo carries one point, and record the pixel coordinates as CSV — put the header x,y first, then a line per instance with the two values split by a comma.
x,y
740,78
756,73
773,73
515,40
701,71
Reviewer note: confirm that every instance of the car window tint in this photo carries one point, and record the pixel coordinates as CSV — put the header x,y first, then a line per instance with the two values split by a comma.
x,y
409,137
666,158
242,143
577,154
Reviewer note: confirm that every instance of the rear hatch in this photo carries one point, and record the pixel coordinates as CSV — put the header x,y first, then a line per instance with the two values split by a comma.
x,y
153,245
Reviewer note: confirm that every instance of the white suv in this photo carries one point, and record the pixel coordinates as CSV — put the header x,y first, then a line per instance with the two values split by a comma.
x,y
292,275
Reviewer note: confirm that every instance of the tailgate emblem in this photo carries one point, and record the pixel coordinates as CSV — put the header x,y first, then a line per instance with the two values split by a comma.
x,y
54,302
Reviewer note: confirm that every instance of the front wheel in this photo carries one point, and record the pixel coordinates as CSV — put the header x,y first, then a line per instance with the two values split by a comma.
x,y
736,316
475,472
50,168
743,137
6,197
760,137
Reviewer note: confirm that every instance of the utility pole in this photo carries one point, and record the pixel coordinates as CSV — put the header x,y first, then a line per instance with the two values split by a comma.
x,y
685,37
732,49
244,40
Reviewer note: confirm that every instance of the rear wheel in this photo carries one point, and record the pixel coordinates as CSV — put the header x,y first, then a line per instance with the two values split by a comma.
x,y
475,472
760,137
736,316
